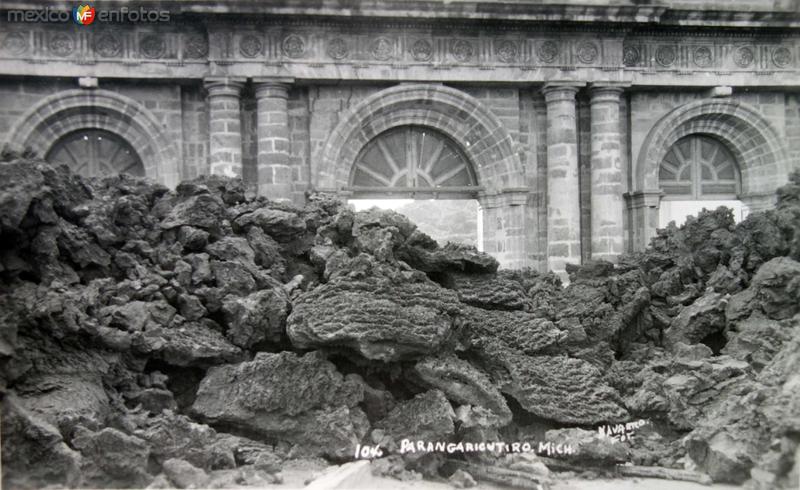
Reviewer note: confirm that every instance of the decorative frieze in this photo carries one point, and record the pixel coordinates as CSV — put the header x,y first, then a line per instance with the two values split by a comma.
x,y
400,46
724,55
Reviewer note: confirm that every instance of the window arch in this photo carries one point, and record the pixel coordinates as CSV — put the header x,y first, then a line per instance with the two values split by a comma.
x,y
96,153
412,158
64,112
699,167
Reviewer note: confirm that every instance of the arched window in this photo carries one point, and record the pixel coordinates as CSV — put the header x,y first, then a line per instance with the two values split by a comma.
x,y
698,172
699,167
411,158
424,174
96,153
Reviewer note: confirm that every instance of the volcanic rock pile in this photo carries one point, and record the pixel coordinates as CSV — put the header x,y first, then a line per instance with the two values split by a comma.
x,y
198,337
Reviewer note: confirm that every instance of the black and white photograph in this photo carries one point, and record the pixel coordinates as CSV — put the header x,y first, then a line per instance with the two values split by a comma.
x,y
400,244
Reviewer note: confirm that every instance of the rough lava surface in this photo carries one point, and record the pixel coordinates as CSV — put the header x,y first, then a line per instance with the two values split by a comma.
x,y
198,337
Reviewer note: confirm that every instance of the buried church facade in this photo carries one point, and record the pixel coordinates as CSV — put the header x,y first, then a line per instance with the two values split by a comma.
x,y
579,128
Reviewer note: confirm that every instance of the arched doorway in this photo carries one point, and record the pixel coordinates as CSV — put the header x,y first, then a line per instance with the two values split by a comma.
x,y
422,173
698,171
494,158
756,147
49,125
96,153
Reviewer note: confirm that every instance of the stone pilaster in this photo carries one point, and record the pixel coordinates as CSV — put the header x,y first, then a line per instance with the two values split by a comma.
x,y
225,126
643,217
504,232
607,177
563,183
272,118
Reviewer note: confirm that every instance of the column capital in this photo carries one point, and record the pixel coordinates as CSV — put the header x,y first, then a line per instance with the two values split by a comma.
x,y
644,199
224,85
512,196
607,92
559,91
269,87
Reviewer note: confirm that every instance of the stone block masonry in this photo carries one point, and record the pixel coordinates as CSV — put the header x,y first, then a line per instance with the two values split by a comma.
x,y
272,132
225,126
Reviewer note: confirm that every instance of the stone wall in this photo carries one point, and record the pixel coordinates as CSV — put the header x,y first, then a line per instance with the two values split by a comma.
x,y
793,128
195,131
326,103
300,144
249,140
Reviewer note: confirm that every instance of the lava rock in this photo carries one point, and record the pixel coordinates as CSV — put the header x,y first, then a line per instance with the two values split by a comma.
x,y
301,400
183,474
385,317
558,388
112,458
704,317
281,225
516,330
490,291
426,417
203,211
256,317
464,384
34,451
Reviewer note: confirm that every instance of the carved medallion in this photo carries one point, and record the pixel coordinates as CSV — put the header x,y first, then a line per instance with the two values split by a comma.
x,y
743,56
665,55
630,56
461,50
15,43
702,57
195,47
337,48
781,57
152,46
422,50
548,51
382,49
107,45
61,44
293,46
587,52
250,46
507,51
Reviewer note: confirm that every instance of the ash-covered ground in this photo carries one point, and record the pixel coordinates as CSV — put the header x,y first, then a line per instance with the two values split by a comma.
x,y
199,338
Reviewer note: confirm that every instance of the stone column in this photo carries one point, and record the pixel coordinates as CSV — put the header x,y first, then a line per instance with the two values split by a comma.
x,y
563,188
225,126
607,177
272,133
